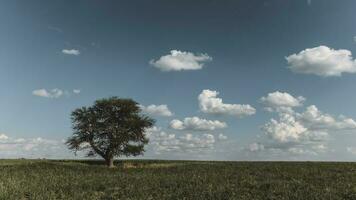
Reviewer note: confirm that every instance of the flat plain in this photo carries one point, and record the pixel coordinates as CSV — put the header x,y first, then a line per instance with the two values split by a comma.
x,y
154,179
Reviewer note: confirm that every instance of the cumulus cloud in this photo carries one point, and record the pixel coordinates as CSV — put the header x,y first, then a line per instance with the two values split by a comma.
x,y
197,124
286,129
311,125
317,120
158,110
281,101
3,137
54,93
181,60
322,61
163,142
290,129
210,103
303,133
73,52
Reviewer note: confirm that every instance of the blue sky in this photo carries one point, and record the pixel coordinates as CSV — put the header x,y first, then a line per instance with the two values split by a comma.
x,y
57,56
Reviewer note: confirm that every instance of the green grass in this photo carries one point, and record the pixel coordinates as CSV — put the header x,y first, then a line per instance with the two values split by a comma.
x,y
46,179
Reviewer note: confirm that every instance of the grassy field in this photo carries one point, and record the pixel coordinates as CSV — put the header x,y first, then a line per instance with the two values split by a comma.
x,y
48,179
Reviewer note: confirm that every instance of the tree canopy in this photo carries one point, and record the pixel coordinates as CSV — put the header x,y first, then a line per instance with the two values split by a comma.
x,y
110,128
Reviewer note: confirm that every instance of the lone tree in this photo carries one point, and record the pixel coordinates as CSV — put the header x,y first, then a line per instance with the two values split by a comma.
x,y
110,128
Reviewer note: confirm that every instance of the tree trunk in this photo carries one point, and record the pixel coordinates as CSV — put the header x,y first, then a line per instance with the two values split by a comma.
x,y
110,162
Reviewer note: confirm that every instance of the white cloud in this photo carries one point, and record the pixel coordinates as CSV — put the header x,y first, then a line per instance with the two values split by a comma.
x,y
76,91
300,133
317,120
354,38
320,148
30,147
197,124
306,132
255,147
181,60
298,150
322,61
73,52
54,93
222,136
12,144
311,125
3,137
209,103
351,150
159,110
287,129
163,142
197,142
281,101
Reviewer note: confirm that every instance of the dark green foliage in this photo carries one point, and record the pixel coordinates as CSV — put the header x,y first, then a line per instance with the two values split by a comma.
x,y
110,128
176,180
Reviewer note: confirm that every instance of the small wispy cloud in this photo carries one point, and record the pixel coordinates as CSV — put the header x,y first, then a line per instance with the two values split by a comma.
x,y
76,91
12,147
197,124
54,93
56,29
73,52
351,150
309,2
158,110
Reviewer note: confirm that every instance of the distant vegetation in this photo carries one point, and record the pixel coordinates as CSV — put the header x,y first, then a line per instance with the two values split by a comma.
x,y
46,179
